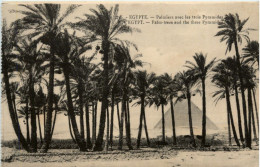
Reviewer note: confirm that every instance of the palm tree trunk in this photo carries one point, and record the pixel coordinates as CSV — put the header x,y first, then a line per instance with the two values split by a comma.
x,y
190,120
99,142
242,94
163,124
95,118
253,124
47,132
33,114
231,117
121,127
27,120
112,119
14,105
71,134
204,113
146,130
81,110
140,122
54,119
93,123
44,120
118,114
107,136
89,144
39,125
239,115
15,123
250,110
229,130
15,110
173,125
127,126
80,141
256,111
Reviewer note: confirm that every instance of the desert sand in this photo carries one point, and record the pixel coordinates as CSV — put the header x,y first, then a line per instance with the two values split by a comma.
x,y
162,158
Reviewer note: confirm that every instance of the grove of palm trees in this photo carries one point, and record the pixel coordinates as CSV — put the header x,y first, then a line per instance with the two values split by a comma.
x,y
84,66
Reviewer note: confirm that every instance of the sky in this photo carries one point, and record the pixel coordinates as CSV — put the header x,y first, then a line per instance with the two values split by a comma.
x,y
167,47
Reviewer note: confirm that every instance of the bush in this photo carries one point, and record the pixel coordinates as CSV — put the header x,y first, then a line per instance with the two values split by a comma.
x,y
182,142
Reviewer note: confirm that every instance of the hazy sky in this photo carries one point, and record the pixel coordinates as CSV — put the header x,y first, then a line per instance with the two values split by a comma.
x,y
167,47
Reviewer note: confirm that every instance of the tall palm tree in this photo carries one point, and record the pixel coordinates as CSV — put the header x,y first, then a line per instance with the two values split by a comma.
x,y
82,74
32,61
201,68
222,80
81,69
185,81
44,22
9,39
171,91
249,76
232,31
105,24
160,99
233,69
125,75
251,52
65,48
143,83
94,96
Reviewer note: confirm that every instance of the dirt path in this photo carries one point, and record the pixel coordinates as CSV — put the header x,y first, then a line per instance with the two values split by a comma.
x,y
183,158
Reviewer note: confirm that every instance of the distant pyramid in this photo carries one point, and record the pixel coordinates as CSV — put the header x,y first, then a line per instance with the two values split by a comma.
x,y
182,120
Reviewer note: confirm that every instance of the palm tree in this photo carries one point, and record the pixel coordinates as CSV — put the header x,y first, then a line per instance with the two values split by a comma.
x,y
44,22
143,83
65,48
82,68
171,93
160,99
184,83
125,75
249,76
251,52
9,39
232,32
95,90
233,69
105,24
222,80
201,68
31,60
83,74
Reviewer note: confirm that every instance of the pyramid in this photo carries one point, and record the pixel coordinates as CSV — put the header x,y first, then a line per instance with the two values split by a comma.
x,y
182,120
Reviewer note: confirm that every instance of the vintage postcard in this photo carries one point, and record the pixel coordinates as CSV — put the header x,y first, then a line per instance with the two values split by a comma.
x,y
130,84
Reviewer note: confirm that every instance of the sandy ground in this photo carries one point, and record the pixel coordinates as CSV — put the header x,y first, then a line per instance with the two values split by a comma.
x,y
243,158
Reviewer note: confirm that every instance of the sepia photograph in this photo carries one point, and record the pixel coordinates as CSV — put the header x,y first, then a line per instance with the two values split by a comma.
x,y
130,84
